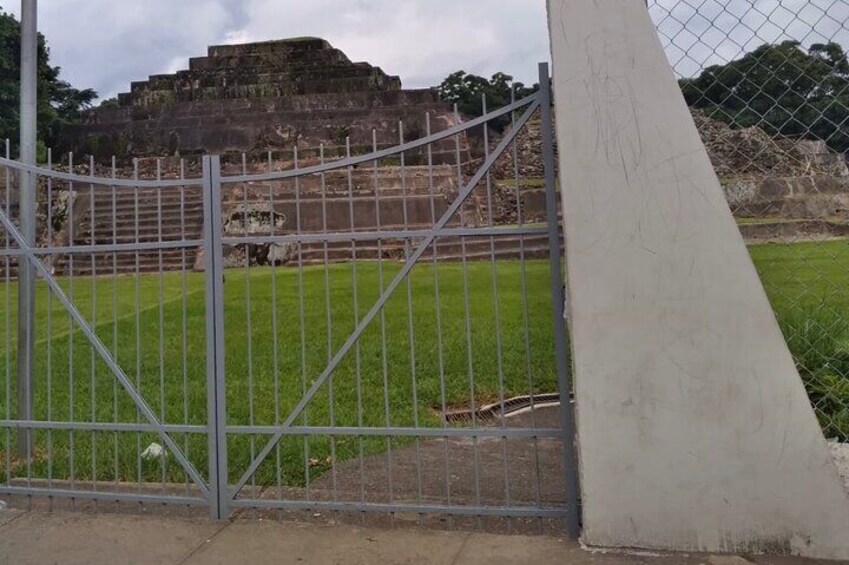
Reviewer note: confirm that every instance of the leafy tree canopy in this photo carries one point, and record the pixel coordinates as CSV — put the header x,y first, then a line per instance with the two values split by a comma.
x,y
468,92
783,89
59,103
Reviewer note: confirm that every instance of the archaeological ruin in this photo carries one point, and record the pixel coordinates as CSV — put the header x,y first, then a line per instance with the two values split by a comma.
x,y
253,97
278,105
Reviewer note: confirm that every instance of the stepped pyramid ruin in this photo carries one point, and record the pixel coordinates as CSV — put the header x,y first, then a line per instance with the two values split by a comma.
x,y
256,104
271,95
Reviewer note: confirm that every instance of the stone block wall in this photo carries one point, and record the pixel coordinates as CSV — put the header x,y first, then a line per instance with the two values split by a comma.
x,y
261,96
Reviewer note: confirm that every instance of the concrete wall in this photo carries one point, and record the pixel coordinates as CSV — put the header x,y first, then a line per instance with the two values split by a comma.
x,y
695,431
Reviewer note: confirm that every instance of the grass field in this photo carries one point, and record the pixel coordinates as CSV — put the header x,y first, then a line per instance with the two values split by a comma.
x,y
808,286
264,383
156,328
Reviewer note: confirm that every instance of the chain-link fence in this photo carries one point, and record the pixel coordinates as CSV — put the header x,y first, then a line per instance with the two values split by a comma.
x,y
768,85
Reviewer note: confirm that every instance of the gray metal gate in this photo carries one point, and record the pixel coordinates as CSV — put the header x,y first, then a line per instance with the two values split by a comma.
x,y
389,342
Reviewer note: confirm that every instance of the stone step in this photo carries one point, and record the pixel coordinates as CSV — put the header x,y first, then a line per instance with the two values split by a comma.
x,y
105,225
305,109
228,86
153,194
283,162
396,101
302,45
148,261
152,209
448,249
787,230
506,248
104,201
146,234
128,213
415,177
260,191
146,218
145,214
281,75
475,247
334,149
294,60
278,69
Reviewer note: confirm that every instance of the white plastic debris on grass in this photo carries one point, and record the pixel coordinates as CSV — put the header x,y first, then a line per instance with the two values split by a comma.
x,y
3,505
153,451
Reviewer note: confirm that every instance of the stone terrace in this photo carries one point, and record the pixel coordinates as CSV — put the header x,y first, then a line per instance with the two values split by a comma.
x,y
266,100
272,95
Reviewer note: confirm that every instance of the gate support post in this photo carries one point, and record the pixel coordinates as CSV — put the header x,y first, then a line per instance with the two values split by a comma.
x,y
695,431
561,334
26,217
216,408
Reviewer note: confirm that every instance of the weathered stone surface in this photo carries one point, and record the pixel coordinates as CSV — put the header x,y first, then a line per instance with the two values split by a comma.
x,y
792,230
820,196
761,175
260,96
752,152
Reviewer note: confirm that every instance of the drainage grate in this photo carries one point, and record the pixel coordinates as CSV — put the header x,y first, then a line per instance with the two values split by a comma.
x,y
490,412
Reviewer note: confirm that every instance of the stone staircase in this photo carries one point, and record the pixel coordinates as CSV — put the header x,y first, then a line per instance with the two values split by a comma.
x,y
331,210
102,215
133,215
477,248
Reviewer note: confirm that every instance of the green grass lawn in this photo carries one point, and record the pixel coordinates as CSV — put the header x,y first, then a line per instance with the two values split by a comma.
x,y
263,383
413,376
808,286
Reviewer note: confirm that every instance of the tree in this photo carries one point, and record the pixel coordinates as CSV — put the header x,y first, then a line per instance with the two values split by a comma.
x,y
109,103
59,104
468,91
782,89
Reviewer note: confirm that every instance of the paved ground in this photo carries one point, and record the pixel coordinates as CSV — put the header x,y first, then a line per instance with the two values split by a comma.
x,y
438,471
455,472
70,538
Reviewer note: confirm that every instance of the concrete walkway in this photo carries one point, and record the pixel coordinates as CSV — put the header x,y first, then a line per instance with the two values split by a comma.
x,y
68,538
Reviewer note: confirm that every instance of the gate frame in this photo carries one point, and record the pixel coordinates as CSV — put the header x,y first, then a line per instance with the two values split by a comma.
x,y
216,396
25,425
542,101
558,307
217,492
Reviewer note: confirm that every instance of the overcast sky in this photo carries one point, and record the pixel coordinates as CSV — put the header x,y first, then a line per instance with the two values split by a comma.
x,y
105,44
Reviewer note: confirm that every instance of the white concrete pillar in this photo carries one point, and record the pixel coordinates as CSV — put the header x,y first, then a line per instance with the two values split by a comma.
x,y
694,429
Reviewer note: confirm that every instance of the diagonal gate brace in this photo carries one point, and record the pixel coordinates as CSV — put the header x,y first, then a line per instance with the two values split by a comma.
x,y
534,104
103,352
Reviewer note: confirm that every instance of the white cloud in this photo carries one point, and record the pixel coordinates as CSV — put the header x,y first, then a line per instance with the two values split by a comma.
x,y
105,44
421,41
698,34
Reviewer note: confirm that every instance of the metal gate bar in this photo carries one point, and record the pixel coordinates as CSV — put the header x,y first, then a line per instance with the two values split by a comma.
x,y
215,394
390,289
218,493
561,336
102,351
